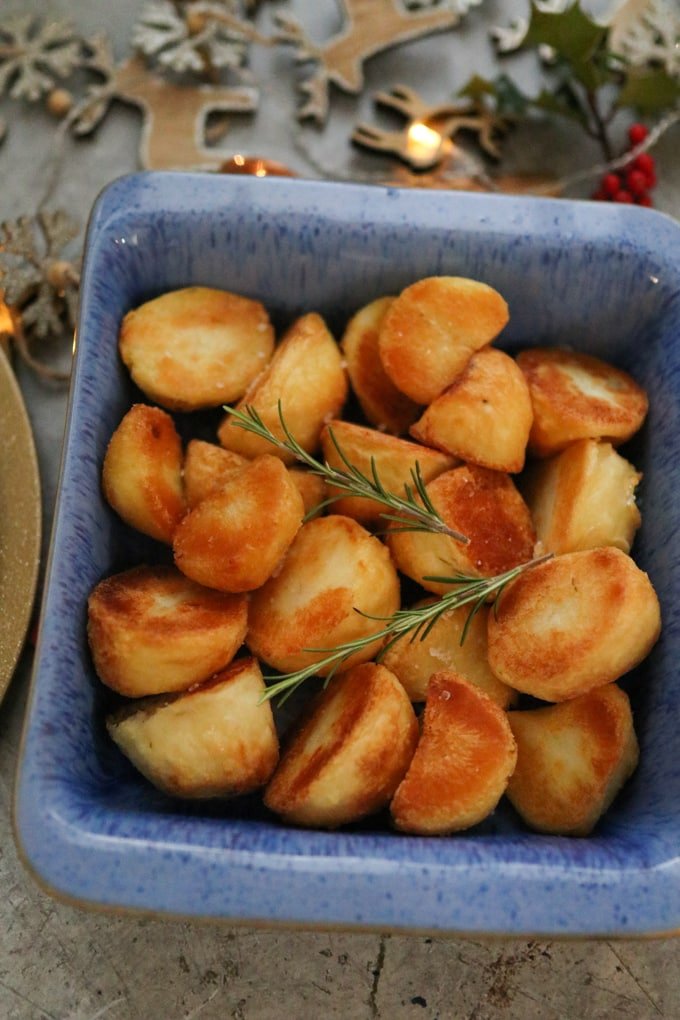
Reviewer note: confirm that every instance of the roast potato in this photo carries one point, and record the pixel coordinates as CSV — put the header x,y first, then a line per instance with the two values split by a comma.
x,y
206,468
573,623
333,573
462,764
484,417
576,396
216,740
584,497
142,472
307,376
414,659
196,347
349,752
384,406
394,461
481,504
572,760
152,630
235,539
433,328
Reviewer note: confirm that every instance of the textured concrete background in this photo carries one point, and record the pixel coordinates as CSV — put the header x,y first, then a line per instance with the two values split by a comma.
x,y
66,964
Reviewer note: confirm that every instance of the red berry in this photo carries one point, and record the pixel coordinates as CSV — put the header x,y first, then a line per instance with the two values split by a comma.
x,y
651,180
611,183
645,163
645,200
623,196
637,182
637,133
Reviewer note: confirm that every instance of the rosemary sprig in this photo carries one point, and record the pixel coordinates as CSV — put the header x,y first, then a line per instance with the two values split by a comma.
x,y
407,514
417,621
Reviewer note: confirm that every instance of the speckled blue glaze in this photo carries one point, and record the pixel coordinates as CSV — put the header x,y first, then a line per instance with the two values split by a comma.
x,y
603,278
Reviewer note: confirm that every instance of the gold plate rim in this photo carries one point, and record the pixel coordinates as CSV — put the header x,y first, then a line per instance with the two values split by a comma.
x,y
20,522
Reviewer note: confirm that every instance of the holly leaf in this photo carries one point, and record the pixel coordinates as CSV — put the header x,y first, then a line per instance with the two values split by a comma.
x,y
649,91
509,100
572,34
563,103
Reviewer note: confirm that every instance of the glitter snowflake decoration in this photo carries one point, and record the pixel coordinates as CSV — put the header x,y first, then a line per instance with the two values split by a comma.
x,y
34,54
193,37
647,32
37,283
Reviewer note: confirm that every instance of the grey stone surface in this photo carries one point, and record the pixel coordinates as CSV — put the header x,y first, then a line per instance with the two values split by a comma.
x,y
64,963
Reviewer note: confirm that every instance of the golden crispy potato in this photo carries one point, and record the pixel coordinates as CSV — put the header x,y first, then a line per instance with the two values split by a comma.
x,y
152,630
349,752
215,740
433,328
484,417
196,347
206,468
311,487
576,396
383,404
572,624
481,504
462,764
414,660
583,498
333,572
572,760
235,539
142,472
306,374
394,460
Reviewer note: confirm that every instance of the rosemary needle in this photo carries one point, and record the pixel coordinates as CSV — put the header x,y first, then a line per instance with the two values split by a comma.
x,y
405,513
418,621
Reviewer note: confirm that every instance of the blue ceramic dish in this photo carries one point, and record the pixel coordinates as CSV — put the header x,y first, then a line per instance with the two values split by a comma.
x,y
600,278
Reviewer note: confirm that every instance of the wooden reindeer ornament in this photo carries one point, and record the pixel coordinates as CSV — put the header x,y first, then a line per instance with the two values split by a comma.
x,y
174,116
370,26
425,139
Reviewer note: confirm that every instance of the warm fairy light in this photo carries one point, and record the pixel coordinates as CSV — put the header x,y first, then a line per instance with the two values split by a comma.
x,y
239,160
6,321
260,169
423,144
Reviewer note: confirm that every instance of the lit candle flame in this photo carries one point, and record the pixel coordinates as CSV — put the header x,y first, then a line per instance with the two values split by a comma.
x,y
424,145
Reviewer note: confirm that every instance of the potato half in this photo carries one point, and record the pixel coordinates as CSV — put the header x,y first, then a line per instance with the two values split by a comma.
x,y
462,764
216,740
196,347
394,460
333,572
576,396
206,468
481,504
414,660
349,753
433,328
235,539
484,417
311,487
573,623
572,760
583,498
383,404
307,376
152,630
142,472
